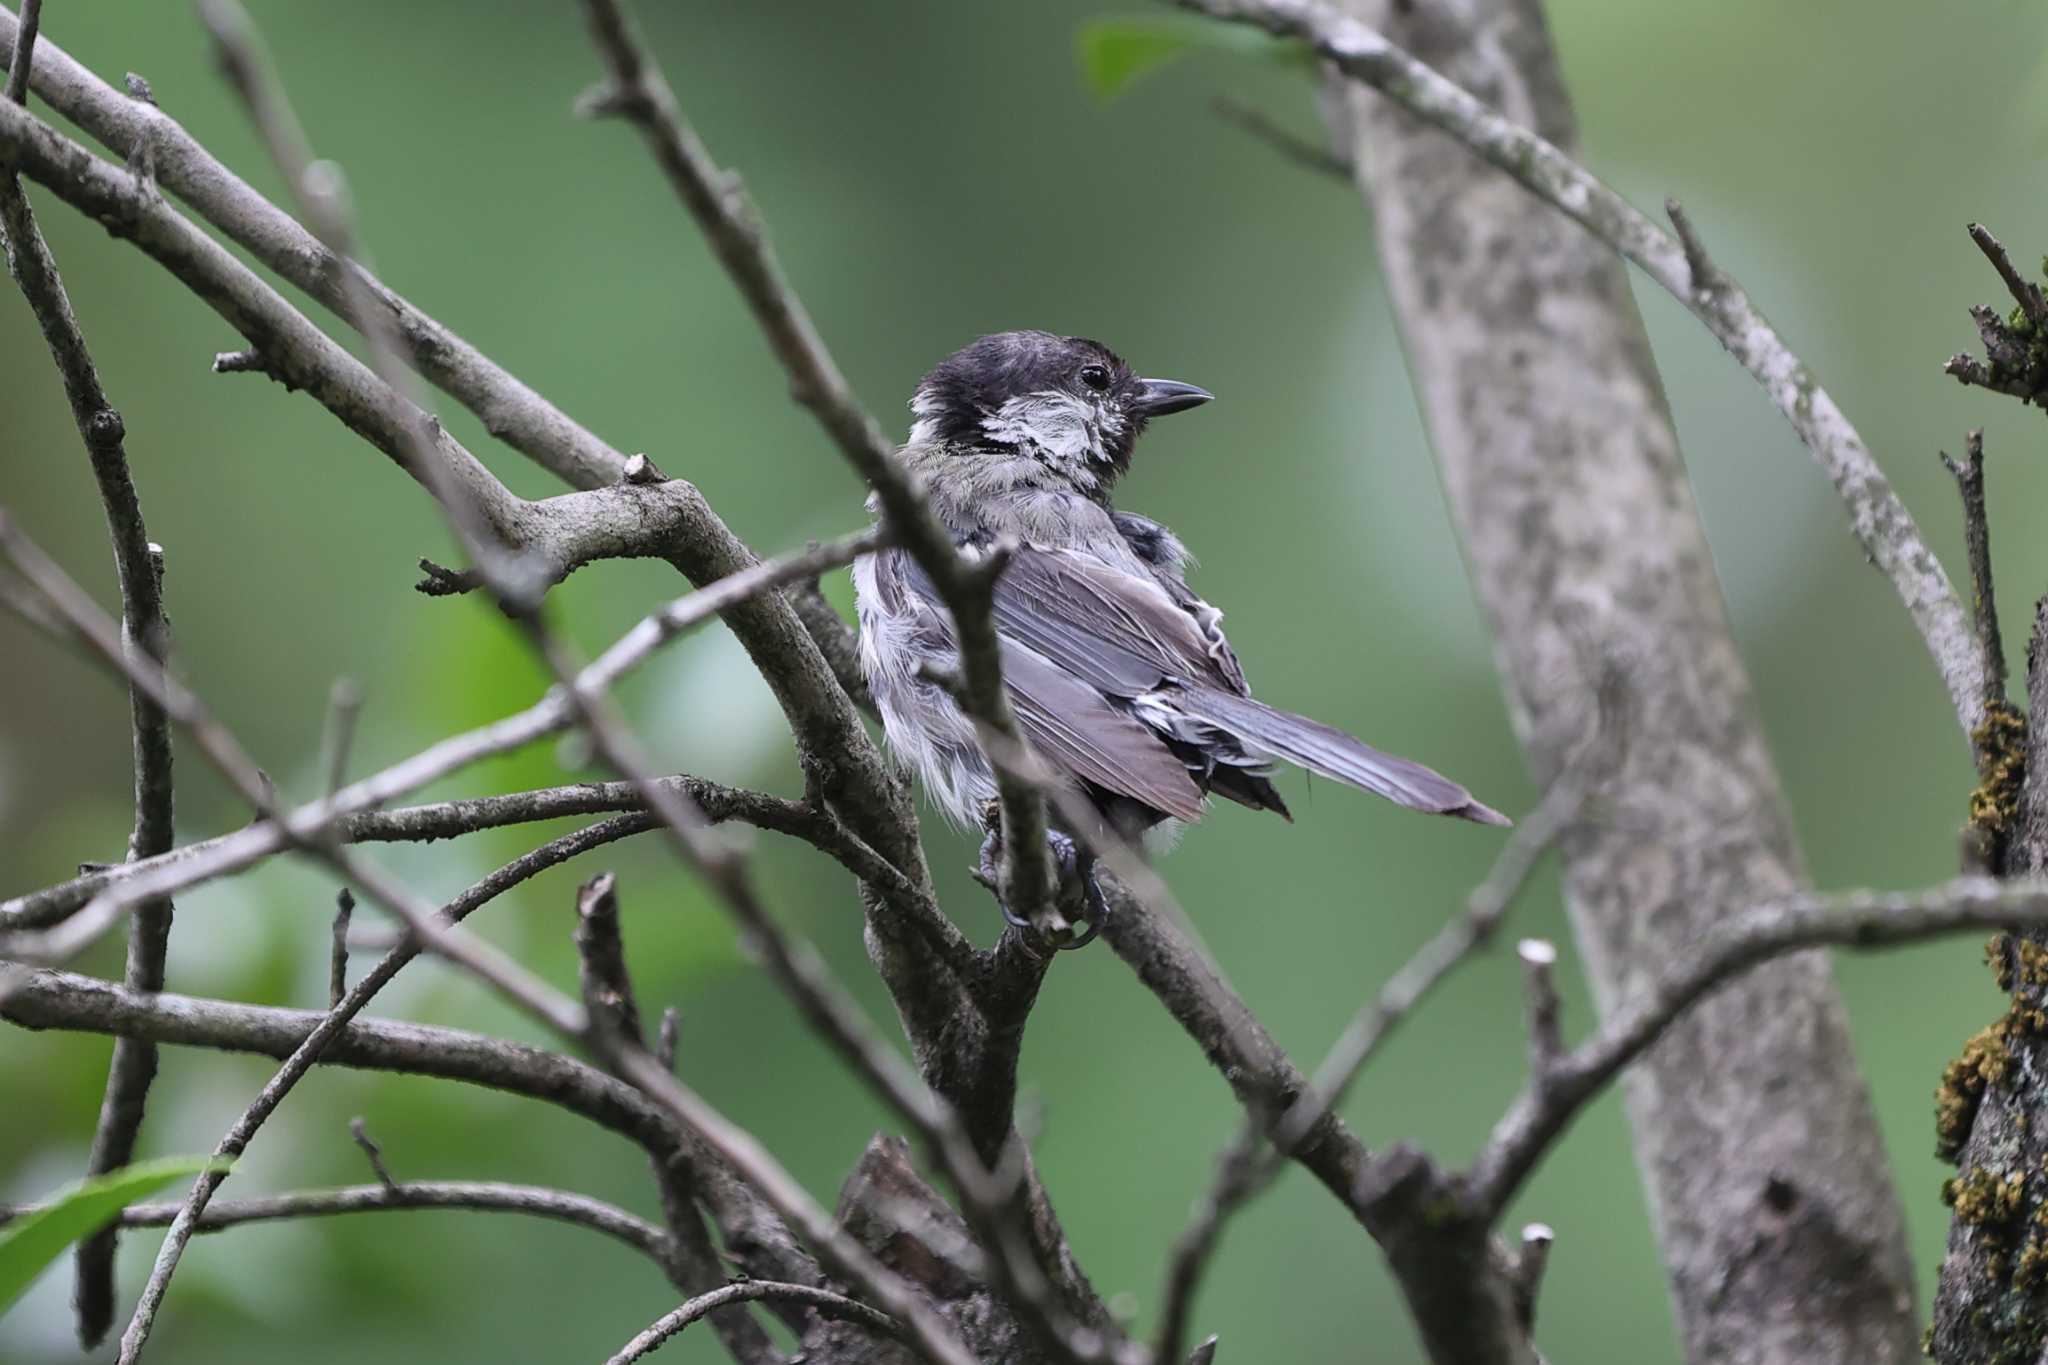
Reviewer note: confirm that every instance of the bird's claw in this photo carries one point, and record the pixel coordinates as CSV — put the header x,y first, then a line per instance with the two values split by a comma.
x,y
1076,888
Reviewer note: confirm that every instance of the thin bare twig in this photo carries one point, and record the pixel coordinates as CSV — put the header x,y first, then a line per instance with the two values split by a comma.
x,y
1237,1168
337,954
1852,919
609,1003
669,1037
484,1196
1530,1263
24,48
1304,152
315,1043
924,1330
1539,987
1969,477
1485,908
601,954
749,1291
63,1000
2024,291
322,193
450,820
220,747
138,565
1242,1174
127,124
344,708
359,1133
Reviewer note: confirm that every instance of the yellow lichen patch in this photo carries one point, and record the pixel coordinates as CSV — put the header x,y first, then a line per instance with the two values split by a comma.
x,y
2032,1266
1984,1062
2001,746
1983,1199
1998,957
2031,1270
2032,968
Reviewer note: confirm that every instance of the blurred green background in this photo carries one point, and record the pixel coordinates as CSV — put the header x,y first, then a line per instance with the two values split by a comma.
x,y
933,171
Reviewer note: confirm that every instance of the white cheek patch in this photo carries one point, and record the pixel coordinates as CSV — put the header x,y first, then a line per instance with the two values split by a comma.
x,y
1066,430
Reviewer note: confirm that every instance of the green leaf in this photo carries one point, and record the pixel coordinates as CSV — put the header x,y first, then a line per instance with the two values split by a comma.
x,y
1116,50
30,1243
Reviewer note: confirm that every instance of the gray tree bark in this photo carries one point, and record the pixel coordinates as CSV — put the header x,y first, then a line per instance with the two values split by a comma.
x,y
1991,1111
1772,1201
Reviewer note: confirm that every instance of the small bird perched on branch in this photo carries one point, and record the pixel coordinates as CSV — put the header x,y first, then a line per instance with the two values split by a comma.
x,y
1119,674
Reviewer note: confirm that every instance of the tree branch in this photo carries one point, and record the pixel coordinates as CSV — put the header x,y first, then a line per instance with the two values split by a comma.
x,y
555,534
138,566
1879,520
1301,151
1464,1312
113,891
125,125
675,1320
1242,1173
958,1063
1850,919
719,203
490,965
609,1003
1969,477
996,1198
728,217
482,1196
1601,563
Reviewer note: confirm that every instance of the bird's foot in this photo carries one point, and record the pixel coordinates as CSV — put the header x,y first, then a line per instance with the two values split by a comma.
x,y
1077,897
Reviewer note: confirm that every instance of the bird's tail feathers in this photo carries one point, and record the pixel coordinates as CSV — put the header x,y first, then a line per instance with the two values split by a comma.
x,y
1331,753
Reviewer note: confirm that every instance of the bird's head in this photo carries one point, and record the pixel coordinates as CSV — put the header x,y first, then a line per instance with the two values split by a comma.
x,y
1067,402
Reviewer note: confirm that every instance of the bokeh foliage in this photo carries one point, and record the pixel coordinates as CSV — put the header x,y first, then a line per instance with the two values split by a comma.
x,y
933,171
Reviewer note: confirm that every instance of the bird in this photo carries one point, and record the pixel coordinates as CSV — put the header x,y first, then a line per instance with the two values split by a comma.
x,y
1119,675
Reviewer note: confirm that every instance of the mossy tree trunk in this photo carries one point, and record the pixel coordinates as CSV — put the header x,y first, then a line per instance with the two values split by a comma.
x,y
1991,1109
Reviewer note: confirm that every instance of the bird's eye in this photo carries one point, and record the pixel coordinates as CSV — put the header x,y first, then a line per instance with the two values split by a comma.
x,y
1095,377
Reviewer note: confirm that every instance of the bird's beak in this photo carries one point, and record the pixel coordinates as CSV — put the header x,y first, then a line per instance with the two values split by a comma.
x,y
1158,397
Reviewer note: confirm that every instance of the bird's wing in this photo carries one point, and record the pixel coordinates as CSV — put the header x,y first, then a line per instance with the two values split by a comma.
x,y
1162,552
1069,721
1119,632
1079,732
1125,636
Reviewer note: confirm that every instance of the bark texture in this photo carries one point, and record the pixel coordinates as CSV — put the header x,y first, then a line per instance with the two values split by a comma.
x,y
1991,1110
1773,1205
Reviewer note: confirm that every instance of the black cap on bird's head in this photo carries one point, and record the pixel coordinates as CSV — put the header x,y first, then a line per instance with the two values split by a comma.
x,y
1068,402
